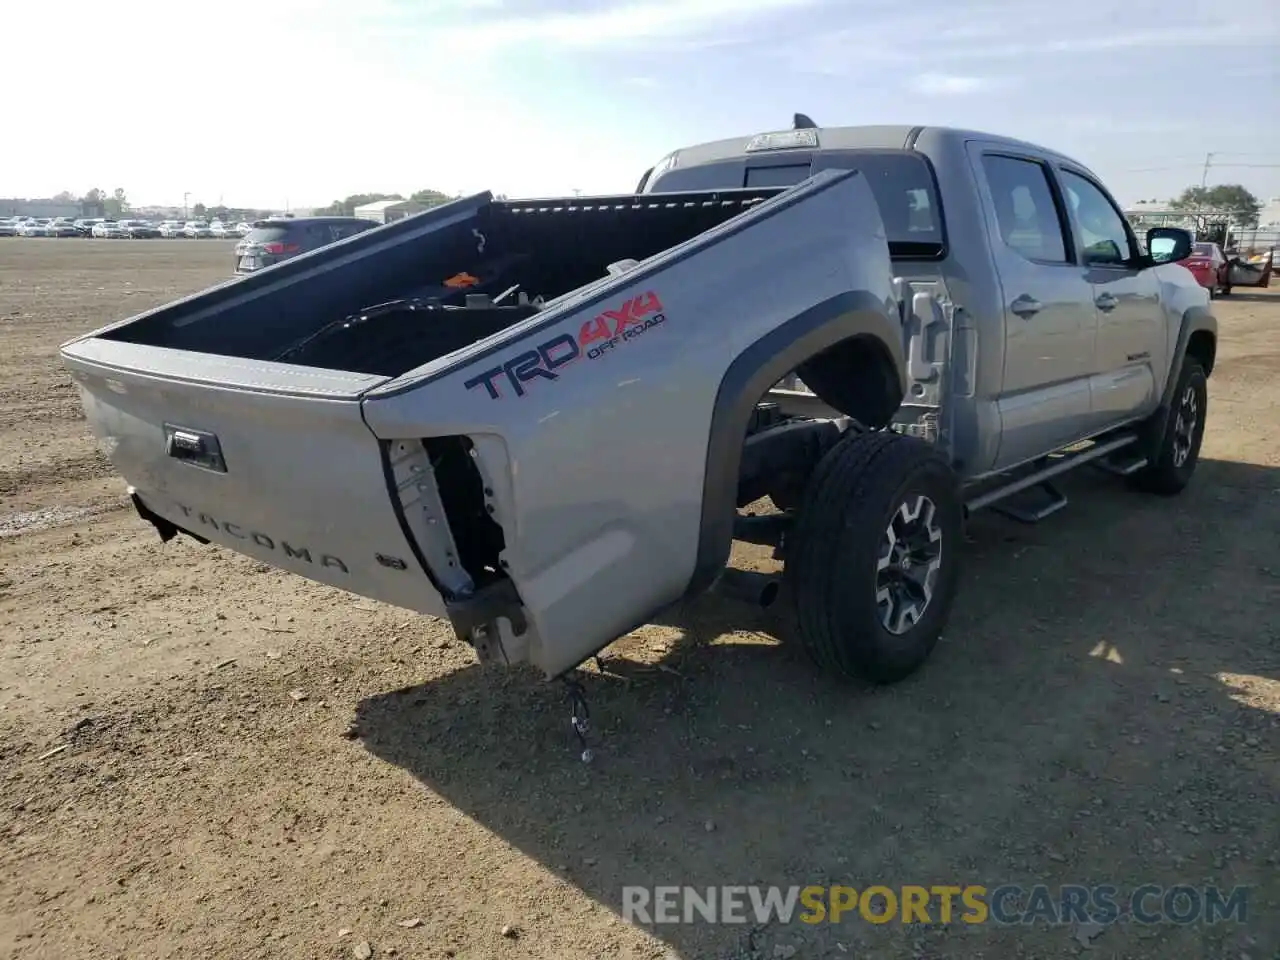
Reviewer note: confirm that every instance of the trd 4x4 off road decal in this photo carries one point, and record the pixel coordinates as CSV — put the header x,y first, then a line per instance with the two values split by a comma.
x,y
598,337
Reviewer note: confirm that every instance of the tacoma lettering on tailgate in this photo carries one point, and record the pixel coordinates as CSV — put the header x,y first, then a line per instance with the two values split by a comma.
x,y
264,540
598,336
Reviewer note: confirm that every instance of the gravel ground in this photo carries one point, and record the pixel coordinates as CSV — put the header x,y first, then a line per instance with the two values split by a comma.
x,y
179,778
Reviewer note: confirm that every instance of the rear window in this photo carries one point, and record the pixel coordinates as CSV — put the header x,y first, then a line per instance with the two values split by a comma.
x,y
1203,250
271,234
902,183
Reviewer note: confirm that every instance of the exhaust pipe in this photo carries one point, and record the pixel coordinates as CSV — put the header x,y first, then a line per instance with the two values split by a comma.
x,y
747,586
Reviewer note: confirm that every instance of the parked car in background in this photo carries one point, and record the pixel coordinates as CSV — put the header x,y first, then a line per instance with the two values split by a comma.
x,y
108,230
1251,268
34,228
197,228
243,228
274,240
62,227
8,228
85,225
139,229
1209,265
172,228
220,229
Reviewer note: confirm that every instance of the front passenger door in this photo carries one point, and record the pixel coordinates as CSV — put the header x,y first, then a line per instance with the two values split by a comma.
x,y
1132,335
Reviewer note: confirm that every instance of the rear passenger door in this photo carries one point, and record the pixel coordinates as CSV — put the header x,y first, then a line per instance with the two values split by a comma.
x,y
1132,337
1049,319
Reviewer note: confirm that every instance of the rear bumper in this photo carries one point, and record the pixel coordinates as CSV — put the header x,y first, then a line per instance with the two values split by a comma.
x,y
263,262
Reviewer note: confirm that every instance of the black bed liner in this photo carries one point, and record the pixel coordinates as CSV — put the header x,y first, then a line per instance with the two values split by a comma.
x,y
391,299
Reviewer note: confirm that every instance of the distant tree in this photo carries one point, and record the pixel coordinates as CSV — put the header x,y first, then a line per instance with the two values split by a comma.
x,y
92,204
1229,198
430,198
346,208
199,211
66,196
117,204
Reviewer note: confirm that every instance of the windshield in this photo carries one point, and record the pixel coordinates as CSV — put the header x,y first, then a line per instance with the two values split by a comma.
x,y
901,182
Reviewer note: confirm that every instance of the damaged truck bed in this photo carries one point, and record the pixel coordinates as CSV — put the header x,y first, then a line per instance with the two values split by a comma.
x,y
467,414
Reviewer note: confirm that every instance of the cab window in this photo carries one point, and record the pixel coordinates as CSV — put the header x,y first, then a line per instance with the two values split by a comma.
x,y
1025,211
1105,241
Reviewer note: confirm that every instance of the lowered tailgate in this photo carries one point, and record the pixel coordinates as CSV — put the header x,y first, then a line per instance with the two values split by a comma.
x,y
271,460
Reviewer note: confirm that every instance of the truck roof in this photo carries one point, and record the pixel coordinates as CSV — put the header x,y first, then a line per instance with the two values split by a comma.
x,y
862,137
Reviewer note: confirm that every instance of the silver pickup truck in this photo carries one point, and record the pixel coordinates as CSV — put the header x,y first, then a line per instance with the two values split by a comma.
x,y
541,418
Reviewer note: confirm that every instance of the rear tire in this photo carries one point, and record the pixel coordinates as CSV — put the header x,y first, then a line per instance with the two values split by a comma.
x,y
873,558
1171,467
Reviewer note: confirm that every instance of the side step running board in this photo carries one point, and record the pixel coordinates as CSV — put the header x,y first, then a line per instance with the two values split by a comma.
x,y
1120,468
1054,499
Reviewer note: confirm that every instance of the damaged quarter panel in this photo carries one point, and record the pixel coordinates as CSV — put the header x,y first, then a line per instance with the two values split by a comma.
x,y
591,422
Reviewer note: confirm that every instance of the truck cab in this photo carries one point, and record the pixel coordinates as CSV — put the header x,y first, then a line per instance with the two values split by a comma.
x,y
1033,316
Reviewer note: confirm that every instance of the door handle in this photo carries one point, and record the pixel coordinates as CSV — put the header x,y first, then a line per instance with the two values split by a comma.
x,y
1106,302
1025,306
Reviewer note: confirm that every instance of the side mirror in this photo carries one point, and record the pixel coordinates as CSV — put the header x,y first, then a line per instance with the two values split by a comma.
x,y
1168,244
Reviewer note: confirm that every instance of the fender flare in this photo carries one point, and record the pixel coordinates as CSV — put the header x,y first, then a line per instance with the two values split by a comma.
x,y
856,313
1195,319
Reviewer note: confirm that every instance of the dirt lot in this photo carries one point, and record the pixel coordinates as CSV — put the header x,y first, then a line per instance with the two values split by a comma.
x,y
1105,709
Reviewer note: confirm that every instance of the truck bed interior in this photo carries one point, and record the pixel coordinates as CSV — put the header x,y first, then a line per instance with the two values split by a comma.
x,y
389,300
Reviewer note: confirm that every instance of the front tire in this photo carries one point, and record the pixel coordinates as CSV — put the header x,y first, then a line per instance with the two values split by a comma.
x,y
873,558
1173,464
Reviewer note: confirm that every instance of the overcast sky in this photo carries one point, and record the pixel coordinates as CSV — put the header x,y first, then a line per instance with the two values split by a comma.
x,y
304,101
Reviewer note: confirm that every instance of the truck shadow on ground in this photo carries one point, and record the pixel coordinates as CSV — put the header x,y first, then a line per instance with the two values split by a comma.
x,y
1089,717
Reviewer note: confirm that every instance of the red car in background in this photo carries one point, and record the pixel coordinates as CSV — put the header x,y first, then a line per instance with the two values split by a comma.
x,y
1210,267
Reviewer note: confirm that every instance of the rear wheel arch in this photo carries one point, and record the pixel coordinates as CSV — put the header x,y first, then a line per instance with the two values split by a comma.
x,y
858,376
853,338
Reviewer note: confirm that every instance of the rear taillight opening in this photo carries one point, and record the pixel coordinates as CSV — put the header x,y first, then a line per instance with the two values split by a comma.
x,y
275,249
